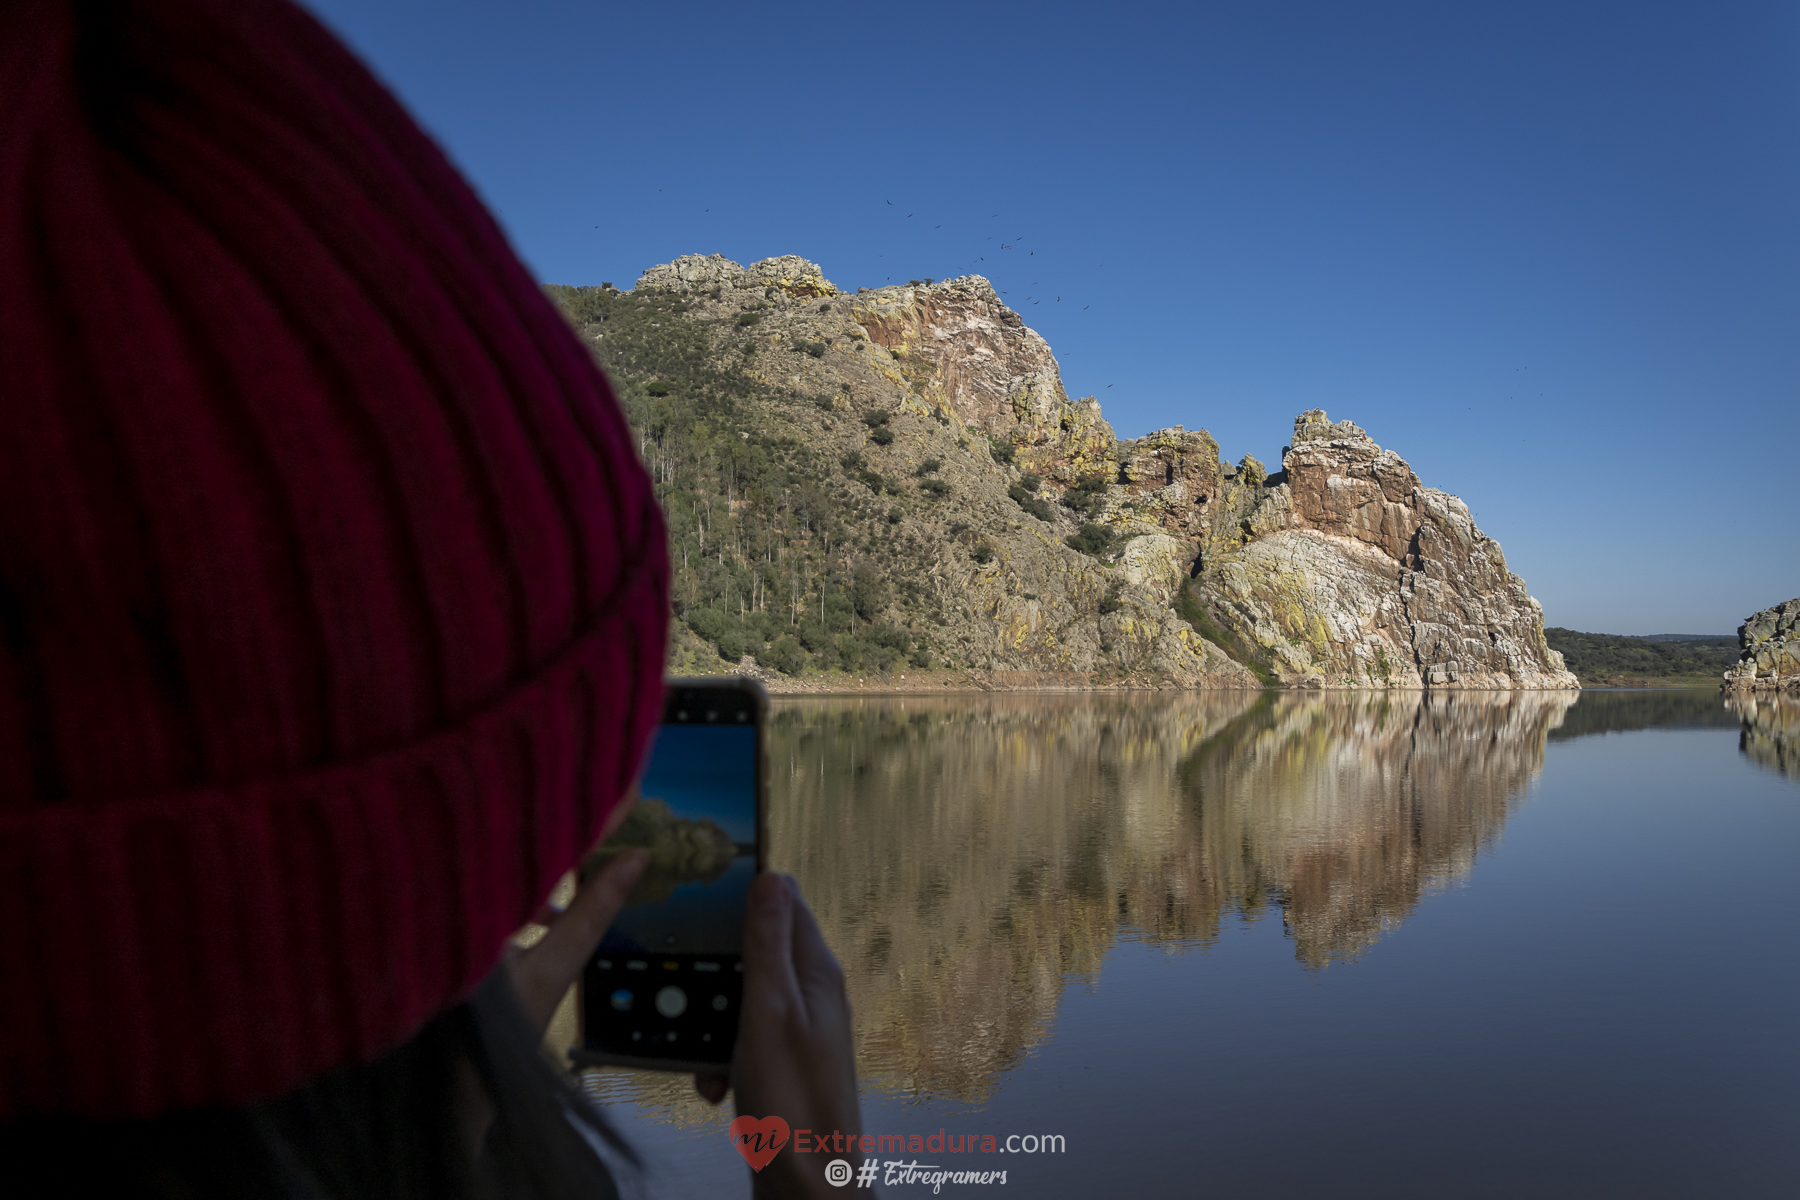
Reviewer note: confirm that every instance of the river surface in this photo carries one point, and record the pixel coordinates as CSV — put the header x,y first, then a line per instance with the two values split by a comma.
x,y
1441,945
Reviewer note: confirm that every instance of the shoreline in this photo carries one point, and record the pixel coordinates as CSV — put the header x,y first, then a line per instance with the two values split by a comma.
x,y
947,683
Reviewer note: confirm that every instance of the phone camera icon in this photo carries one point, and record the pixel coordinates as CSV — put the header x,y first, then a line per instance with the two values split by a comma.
x,y
621,1000
671,1001
837,1172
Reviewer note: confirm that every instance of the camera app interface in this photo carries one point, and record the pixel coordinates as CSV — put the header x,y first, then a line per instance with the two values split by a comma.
x,y
666,980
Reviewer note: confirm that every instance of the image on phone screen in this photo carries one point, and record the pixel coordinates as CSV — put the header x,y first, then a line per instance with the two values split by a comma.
x,y
667,979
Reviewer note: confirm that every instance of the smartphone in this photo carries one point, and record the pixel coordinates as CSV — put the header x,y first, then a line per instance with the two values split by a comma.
x,y
664,988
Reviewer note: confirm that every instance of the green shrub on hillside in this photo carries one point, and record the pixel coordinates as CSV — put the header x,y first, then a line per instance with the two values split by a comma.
x,y
1090,539
1030,503
786,655
882,436
868,591
1087,496
749,318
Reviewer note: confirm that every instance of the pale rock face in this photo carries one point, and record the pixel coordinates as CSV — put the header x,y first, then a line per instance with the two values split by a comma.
x,y
974,357
1769,649
694,272
792,274
1354,574
1157,563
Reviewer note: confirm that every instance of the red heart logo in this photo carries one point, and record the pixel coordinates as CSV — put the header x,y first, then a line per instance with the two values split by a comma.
x,y
758,1138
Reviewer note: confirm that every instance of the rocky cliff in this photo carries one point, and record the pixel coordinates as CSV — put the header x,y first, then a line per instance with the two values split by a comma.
x,y
1769,651
897,478
1351,573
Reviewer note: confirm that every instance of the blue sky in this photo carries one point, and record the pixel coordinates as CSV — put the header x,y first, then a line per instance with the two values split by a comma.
x,y
706,772
1548,252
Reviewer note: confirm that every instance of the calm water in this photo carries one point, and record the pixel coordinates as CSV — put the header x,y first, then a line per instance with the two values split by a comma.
x,y
1478,945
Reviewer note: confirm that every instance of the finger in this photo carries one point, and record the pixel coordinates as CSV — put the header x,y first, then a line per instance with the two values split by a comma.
x,y
543,973
768,945
617,816
712,1088
820,979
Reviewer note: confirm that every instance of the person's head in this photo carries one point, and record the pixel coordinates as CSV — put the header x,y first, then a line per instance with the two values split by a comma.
x,y
332,598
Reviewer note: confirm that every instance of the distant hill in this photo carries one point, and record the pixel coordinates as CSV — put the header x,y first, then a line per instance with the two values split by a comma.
x,y
1660,660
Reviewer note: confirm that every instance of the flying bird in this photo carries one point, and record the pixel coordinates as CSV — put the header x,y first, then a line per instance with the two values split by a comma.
x,y
1085,307
909,214
890,201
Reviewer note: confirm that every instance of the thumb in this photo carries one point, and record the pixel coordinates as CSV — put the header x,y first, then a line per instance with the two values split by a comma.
x,y
769,979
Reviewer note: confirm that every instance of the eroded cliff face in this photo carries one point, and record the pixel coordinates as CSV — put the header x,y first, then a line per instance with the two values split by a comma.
x,y
1769,651
1024,535
886,404
963,351
1352,573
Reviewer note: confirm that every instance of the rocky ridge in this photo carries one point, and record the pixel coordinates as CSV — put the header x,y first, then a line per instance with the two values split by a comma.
x,y
1352,573
1769,654
919,441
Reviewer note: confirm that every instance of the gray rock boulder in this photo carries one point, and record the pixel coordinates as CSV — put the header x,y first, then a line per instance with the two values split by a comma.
x,y
1769,650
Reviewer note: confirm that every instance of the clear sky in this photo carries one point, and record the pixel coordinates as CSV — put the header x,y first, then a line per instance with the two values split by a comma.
x,y
1547,251
706,771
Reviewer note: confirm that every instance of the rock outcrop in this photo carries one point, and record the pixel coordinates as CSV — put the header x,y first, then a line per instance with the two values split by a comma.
x,y
702,272
963,351
1351,573
1769,651
920,438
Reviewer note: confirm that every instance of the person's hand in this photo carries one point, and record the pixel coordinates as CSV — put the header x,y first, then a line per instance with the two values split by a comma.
x,y
794,1056
543,974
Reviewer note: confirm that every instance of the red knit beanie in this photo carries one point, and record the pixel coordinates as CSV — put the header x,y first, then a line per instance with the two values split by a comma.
x,y
332,597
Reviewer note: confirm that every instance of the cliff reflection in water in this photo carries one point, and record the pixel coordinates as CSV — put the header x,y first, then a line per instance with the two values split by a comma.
x,y
1771,730
966,856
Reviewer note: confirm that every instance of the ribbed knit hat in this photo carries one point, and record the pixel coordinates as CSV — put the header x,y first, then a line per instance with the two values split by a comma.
x,y
332,597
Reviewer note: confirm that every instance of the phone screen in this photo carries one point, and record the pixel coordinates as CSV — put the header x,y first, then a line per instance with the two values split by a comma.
x,y
666,981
